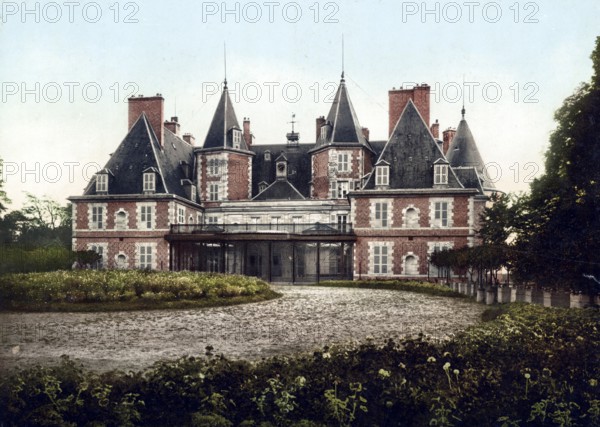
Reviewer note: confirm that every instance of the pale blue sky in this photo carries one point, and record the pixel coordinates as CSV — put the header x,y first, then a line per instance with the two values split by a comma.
x,y
177,50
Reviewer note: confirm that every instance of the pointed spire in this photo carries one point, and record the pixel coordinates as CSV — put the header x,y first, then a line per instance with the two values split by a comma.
x,y
224,123
463,150
342,121
463,111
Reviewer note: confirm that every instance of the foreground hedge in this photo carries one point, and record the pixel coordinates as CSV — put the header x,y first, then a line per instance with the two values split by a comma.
x,y
120,288
530,366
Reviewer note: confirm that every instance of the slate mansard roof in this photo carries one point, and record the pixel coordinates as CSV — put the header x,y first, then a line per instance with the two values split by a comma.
x,y
141,150
411,152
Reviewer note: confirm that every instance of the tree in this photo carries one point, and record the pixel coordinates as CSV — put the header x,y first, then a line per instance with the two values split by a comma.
x,y
558,223
41,222
4,200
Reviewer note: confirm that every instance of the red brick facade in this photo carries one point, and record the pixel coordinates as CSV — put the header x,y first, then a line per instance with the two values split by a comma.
x,y
398,98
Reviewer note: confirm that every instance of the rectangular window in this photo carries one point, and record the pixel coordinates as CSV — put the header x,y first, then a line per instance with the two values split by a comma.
x,y
97,217
212,219
333,189
237,138
213,167
101,183
441,214
180,215
145,256
146,216
382,175
343,163
100,251
213,192
149,182
440,175
342,222
193,196
381,215
342,189
380,259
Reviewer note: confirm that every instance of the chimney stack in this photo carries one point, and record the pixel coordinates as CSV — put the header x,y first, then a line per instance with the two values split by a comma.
x,y
366,132
247,133
320,122
189,138
448,136
435,129
398,98
153,106
173,125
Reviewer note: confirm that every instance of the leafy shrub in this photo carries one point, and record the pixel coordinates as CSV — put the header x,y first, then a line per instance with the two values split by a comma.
x,y
107,286
530,366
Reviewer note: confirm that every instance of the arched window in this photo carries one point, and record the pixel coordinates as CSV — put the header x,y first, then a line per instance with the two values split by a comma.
x,y
121,262
411,266
412,218
121,222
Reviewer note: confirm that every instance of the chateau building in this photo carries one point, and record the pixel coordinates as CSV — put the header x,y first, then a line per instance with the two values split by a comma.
x,y
342,207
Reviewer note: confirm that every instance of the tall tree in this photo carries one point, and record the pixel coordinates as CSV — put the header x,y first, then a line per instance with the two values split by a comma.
x,y
559,229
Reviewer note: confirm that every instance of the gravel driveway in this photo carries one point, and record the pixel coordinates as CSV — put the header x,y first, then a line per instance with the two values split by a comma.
x,y
304,319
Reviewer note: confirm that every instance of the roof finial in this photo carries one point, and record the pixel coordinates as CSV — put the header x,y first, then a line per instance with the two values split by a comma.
x,y
293,121
343,58
463,99
225,62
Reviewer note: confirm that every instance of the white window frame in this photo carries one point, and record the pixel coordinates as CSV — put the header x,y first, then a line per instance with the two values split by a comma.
x,y
237,138
342,222
97,216
324,132
145,255
342,189
213,192
194,194
146,216
381,258
102,183
180,215
213,166
149,182
333,189
343,162
440,174
440,214
380,217
102,250
382,175
212,219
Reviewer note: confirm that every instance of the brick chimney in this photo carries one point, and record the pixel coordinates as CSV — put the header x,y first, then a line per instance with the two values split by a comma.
x,y
366,133
153,106
448,136
320,122
398,98
189,138
435,129
173,125
247,133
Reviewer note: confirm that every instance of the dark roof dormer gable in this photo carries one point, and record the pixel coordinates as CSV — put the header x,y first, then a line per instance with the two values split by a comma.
x,y
411,153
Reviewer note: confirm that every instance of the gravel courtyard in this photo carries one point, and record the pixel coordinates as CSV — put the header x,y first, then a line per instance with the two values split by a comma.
x,y
304,319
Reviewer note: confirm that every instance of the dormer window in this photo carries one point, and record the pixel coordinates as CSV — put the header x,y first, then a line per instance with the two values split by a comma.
x,y
149,182
281,170
324,132
262,187
267,156
440,174
237,138
102,183
193,195
382,175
